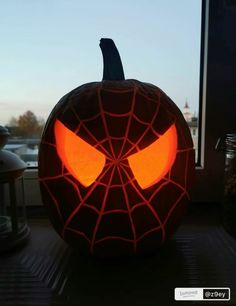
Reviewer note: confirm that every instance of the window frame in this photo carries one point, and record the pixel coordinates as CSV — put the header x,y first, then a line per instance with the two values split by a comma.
x,y
218,97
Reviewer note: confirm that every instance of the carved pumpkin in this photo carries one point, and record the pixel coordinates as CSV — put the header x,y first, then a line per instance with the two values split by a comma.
x,y
116,162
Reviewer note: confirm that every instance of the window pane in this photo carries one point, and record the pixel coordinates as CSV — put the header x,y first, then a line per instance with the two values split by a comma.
x,y
50,47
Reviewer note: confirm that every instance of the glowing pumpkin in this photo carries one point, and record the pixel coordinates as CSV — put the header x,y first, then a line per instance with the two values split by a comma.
x,y
115,164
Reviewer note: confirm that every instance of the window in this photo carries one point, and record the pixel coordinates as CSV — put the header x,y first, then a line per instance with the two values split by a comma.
x,y
159,43
217,80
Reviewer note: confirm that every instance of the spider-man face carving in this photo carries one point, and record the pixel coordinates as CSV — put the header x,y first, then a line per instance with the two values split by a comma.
x,y
115,164
115,167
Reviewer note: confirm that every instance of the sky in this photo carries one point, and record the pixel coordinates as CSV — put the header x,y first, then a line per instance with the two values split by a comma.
x,y
49,47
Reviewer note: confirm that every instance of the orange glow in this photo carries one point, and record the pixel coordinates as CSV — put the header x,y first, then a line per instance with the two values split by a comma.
x,y
152,163
82,160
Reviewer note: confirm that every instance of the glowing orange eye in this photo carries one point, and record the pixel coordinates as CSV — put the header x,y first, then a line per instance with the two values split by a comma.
x,y
152,163
82,160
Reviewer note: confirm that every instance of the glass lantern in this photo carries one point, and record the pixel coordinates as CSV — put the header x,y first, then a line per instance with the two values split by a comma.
x,y
13,226
227,144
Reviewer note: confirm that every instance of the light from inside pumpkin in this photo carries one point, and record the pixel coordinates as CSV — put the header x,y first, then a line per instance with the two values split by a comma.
x,y
153,163
82,160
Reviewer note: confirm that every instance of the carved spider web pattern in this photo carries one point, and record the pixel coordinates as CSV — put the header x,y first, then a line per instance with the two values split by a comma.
x,y
114,212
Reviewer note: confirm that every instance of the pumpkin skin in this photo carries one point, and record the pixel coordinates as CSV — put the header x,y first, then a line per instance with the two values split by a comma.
x,y
109,129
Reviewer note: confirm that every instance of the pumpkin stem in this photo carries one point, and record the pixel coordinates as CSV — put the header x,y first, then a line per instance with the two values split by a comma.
x,y
112,65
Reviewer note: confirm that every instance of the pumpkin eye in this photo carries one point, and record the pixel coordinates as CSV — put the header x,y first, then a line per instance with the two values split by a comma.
x,y
153,163
82,160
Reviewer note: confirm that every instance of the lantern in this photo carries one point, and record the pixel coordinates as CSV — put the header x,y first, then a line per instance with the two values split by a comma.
x,y
116,162
14,230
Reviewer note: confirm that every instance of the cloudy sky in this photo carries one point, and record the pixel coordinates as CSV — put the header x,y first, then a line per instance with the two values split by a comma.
x,y
49,47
